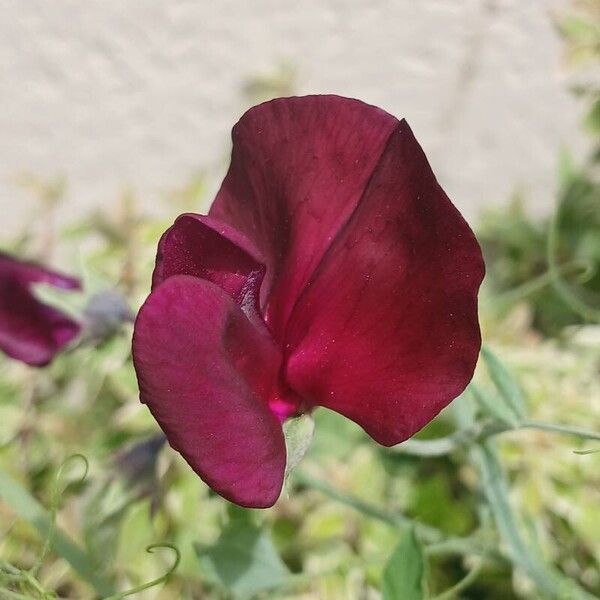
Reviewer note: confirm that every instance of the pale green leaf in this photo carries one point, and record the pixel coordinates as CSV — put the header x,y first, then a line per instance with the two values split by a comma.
x,y
505,383
243,560
495,406
403,576
298,433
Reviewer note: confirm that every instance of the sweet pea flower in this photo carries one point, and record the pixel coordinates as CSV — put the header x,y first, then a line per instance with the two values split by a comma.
x,y
31,331
332,270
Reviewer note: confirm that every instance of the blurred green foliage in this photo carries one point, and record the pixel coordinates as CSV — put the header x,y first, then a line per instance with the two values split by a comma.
x,y
519,248
490,501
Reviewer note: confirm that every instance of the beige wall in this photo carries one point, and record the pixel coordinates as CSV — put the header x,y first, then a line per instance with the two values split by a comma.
x,y
143,92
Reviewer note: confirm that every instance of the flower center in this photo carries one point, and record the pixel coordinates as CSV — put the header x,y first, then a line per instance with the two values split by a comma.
x,y
285,404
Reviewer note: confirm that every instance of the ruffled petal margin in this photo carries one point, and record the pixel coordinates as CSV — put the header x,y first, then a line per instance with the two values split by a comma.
x,y
299,167
386,331
207,248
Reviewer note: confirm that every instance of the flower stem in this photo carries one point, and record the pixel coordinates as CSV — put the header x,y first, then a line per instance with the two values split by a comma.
x,y
394,519
451,443
564,429
463,584
480,432
539,283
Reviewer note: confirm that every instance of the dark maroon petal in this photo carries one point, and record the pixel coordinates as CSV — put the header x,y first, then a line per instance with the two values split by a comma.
x,y
299,167
206,374
207,248
386,332
31,331
28,272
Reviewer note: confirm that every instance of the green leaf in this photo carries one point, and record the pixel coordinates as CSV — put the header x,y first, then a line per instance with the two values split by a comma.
x,y
464,411
335,436
495,406
298,434
504,382
244,560
403,576
30,510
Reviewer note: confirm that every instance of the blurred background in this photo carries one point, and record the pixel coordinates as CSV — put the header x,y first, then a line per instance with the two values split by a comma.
x,y
143,95
115,117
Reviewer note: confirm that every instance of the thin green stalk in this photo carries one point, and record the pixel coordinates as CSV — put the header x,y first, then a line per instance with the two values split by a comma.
x,y
462,585
30,510
8,595
451,443
481,432
33,583
56,494
564,429
429,534
539,283
154,582
466,546
438,541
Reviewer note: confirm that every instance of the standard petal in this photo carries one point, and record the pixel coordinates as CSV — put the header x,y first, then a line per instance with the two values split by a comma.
x,y
207,248
386,332
31,331
299,167
205,371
